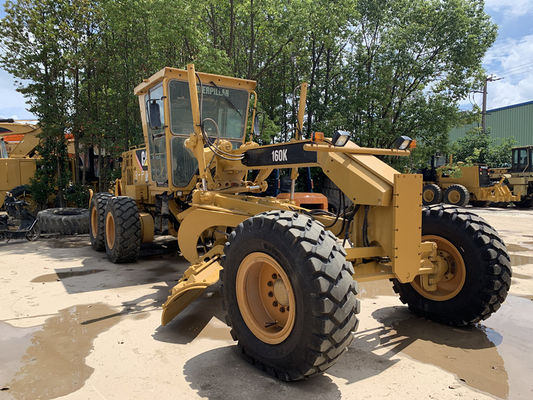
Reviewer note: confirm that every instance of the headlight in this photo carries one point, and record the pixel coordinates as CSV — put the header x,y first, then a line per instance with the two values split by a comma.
x,y
404,143
340,138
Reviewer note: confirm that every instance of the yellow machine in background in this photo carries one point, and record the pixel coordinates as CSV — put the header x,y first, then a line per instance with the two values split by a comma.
x,y
519,176
288,273
18,156
17,165
460,185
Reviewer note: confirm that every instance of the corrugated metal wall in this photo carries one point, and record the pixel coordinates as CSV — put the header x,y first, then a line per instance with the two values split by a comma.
x,y
514,121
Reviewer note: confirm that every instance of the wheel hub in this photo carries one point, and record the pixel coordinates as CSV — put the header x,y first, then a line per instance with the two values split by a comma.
x,y
280,293
454,197
265,298
110,230
428,195
450,275
94,221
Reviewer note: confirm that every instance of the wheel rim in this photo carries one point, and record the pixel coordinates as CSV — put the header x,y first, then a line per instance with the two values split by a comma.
x,y
110,230
265,298
453,281
454,196
428,195
94,222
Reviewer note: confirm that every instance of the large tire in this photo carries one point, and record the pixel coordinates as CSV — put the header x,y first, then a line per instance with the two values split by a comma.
x,y
97,214
65,221
317,303
456,195
481,256
431,194
21,190
122,230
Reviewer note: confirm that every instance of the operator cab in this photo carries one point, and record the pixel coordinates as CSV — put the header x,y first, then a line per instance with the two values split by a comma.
x,y
168,120
522,157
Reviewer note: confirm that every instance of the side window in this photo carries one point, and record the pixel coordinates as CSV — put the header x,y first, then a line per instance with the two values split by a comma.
x,y
155,115
523,158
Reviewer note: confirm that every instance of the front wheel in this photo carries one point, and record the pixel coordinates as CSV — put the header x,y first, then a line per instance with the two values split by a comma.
x,y
478,274
289,294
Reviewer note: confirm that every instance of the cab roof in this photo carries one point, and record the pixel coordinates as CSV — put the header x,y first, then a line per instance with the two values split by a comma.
x,y
181,74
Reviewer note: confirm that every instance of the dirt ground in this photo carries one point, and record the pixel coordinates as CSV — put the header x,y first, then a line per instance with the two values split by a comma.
x,y
74,326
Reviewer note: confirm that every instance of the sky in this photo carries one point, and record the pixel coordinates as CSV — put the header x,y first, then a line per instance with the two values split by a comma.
x,y
510,58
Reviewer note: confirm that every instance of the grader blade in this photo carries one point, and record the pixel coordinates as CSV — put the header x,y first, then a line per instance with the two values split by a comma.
x,y
194,282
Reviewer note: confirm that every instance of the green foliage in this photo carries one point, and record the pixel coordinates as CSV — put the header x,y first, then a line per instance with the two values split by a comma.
x,y
77,196
451,170
478,147
378,68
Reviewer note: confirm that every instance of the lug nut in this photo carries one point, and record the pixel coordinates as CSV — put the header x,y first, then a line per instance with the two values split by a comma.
x,y
269,283
275,303
274,276
282,309
270,294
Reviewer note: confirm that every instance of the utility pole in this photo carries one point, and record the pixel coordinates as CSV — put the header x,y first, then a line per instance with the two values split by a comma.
x,y
491,78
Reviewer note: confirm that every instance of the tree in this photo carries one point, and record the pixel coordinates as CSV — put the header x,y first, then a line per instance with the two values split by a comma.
x,y
378,68
478,147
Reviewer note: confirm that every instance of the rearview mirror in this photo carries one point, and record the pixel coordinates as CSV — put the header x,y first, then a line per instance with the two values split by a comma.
x,y
154,115
257,130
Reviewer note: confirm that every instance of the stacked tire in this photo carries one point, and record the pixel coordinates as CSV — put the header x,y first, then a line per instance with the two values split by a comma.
x,y
65,221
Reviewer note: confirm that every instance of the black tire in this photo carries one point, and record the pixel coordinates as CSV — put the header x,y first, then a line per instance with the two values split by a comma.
x,y
488,268
123,213
97,218
456,195
21,190
321,281
526,202
431,194
65,221
17,193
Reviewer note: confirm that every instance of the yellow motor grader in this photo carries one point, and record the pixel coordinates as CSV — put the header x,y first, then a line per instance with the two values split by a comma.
x,y
288,273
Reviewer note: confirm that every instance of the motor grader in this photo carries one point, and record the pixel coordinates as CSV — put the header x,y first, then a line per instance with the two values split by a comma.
x,y
288,274
460,184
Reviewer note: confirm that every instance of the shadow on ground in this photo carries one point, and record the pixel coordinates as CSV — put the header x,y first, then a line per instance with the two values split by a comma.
x,y
469,353
223,374
157,262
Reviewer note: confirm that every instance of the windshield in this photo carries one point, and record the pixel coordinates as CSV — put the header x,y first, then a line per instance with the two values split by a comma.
x,y
227,107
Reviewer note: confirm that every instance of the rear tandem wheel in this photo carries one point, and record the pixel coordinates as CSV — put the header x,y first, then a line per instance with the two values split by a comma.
x,y
122,230
97,214
289,294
